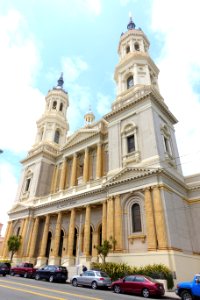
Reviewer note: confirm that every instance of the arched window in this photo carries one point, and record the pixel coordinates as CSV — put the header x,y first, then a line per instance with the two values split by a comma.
x,y
136,218
57,136
54,104
137,47
128,49
61,106
129,82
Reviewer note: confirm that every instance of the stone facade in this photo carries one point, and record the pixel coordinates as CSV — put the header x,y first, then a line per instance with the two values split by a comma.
x,y
118,177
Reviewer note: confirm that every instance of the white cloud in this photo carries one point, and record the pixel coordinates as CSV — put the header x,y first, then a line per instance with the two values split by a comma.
x,y
73,67
103,104
176,24
19,63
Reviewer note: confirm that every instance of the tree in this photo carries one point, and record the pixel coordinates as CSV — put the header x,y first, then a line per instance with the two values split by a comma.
x,y
105,248
14,242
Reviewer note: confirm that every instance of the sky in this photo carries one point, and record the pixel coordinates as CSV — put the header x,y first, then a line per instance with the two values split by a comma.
x,y
41,39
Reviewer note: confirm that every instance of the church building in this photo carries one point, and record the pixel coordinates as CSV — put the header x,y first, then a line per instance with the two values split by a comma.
x,y
117,178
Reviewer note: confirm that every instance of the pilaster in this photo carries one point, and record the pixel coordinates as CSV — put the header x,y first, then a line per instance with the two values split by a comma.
x,y
45,237
33,237
99,161
86,166
87,231
71,232
63,175
104,221
150,223
110,218
74,171
118,223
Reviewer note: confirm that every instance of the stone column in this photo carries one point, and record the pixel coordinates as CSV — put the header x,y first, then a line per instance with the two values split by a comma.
x,y
95,243
63,175
45,237
118,223
87,231
110,219
57,234
86,166
104,221
99,161
71,232
74,170
7,235
159,219
150,223
33,238
23,235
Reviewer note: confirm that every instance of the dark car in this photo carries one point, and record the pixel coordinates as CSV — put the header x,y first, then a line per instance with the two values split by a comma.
x,y
138,284
52,273
4,269
93,278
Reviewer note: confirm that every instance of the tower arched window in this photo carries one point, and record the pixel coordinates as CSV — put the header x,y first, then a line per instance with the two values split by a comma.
x,y
61,107
136,218
57,136
137,47
129,82
54,105
128,49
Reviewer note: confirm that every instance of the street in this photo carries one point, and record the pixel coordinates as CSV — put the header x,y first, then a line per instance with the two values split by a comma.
x,y
18,288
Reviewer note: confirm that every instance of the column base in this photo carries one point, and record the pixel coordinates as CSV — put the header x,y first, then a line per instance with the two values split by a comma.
x,y
68,261
41,261
54,260
32,260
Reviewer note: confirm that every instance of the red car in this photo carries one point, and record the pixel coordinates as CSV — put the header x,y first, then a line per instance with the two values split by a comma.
x,y
138,284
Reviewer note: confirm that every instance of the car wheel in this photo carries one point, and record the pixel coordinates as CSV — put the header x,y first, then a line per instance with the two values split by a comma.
x,y
37,277
12,273
4,275
145,293
94,285
51,278
75,282
185,295
25,275
117,289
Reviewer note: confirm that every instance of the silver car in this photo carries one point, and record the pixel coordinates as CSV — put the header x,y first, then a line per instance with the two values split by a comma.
x,y
92,278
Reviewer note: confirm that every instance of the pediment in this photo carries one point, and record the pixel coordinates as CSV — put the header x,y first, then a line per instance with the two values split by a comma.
x,y
129,173
80,136
18,207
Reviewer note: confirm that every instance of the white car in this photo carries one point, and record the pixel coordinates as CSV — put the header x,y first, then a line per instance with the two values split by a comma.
x,y
92,278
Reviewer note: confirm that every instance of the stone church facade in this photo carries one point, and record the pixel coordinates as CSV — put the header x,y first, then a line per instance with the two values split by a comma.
x,y
118,177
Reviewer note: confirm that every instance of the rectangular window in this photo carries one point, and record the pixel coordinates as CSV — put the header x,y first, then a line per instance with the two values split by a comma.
x,y
131,143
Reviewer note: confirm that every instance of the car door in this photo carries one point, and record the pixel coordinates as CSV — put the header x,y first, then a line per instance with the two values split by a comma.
x,y
90,278
44,272
196,286
138,284
83,278
128,284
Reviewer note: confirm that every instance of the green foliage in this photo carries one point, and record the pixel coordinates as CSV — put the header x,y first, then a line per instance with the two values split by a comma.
x,y
14,243
105,248
156,271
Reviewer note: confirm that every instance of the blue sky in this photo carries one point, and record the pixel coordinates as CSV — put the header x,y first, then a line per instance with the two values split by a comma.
x,y
41,39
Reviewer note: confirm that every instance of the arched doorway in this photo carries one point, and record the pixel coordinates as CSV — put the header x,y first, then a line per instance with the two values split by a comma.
x,y
91,240
75,242
48,248
61,243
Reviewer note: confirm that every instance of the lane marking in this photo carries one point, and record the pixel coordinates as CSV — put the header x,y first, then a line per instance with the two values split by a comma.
x,y
52,290
33,293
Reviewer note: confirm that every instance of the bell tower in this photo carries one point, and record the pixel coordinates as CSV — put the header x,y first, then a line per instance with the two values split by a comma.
x,y
135,68
52,127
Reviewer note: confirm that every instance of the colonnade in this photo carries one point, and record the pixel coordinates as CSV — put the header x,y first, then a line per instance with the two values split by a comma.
x,y
111,222
60,175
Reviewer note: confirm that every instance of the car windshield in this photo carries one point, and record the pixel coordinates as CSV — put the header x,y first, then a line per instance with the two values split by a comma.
x,y
102,274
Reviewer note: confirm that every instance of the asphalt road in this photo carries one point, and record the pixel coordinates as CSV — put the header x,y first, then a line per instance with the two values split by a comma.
x,y
18,288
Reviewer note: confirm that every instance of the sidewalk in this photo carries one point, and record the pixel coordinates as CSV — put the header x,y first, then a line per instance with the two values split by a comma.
x,y
171,295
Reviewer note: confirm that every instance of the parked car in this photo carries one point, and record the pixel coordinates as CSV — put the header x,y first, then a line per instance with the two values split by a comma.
x,y
4,269
24,269
189,290
138,284
92,278
52,273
